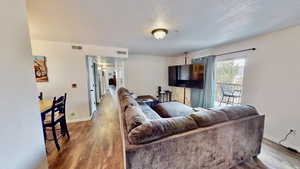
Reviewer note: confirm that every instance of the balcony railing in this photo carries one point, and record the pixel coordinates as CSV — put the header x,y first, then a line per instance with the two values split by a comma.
x,y
233,88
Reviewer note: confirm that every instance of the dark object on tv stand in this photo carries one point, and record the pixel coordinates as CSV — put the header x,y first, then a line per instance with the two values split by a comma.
x,y
147,99
167,97
158,91
164,96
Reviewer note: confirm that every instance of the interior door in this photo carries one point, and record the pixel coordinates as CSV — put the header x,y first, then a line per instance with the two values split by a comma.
x,y
92,84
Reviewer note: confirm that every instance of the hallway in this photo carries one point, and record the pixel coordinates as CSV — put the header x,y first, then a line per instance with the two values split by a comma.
x,y
94,144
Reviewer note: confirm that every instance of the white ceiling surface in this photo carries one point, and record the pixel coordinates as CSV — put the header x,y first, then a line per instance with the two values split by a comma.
x,y
193,24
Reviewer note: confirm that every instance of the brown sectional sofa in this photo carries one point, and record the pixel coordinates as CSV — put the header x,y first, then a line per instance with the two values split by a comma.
x,y
206,139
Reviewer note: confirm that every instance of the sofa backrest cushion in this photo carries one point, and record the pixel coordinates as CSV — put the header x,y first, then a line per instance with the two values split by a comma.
x,y
156,129
172,109
123,91
205,118
134,117
237,112
149,112
126,101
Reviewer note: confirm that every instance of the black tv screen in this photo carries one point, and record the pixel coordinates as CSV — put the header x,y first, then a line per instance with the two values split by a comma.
x,y
190,76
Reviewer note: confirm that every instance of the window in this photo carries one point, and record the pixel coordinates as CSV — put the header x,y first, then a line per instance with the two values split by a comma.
x,y
229,81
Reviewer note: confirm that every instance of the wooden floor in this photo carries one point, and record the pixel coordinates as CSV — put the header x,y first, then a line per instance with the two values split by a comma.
x,y
97,144
94,144
273,156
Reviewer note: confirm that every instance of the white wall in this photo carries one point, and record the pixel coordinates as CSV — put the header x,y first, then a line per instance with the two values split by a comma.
x,y
272,82
21,136
144,73
67,66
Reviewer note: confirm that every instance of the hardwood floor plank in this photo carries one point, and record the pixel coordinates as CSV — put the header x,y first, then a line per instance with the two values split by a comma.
x,y
273,156
94,144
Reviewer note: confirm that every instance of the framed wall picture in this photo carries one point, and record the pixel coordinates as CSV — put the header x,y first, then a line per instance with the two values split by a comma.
x,y
40,69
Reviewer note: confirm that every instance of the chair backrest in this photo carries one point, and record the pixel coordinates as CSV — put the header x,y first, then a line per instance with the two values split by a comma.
x,y
62,102
61,99
40,96
54,109
58,106
225,88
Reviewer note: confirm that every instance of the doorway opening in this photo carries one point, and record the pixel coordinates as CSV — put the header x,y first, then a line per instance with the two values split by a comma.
x,y
111,70
93,84
104,74
229,81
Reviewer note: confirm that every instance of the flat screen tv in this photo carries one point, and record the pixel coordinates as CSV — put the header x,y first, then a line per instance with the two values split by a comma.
x,y
190,76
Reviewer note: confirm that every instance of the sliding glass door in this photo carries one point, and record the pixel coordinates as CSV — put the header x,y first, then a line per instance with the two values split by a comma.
x,y
229,81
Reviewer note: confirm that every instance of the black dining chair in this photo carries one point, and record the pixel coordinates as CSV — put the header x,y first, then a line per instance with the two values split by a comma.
x,y
40,96
54,116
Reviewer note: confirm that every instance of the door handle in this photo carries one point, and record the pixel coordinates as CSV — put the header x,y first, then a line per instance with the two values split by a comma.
x,y
91,90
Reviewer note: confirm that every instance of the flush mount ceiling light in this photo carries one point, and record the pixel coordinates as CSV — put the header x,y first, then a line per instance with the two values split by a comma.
x,y
159,33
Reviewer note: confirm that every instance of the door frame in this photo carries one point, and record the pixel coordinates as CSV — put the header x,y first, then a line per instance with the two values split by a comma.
x,y
88,82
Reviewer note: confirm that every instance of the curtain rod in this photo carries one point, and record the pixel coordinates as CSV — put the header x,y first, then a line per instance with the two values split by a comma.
x,y
236,52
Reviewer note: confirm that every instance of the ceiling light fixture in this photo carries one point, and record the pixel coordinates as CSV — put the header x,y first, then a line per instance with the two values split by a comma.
x,y
159,33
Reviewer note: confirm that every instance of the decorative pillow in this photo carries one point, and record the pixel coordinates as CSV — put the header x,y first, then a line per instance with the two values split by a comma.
x,y
134,117
149,112
172,109
156,129
205,118
237,112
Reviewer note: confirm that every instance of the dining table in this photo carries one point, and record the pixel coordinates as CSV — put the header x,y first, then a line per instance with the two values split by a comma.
x,y
45,105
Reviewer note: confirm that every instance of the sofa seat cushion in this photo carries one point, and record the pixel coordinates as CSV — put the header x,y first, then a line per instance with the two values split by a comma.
x,y
237,112
126,101
205,118
172,109
149,112
156,129
134,117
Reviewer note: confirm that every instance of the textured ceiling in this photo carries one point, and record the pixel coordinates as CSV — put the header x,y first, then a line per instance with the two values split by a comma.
x,y
193,24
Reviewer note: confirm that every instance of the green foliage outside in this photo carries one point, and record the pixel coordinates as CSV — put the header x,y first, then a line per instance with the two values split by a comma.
x,y
230,71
